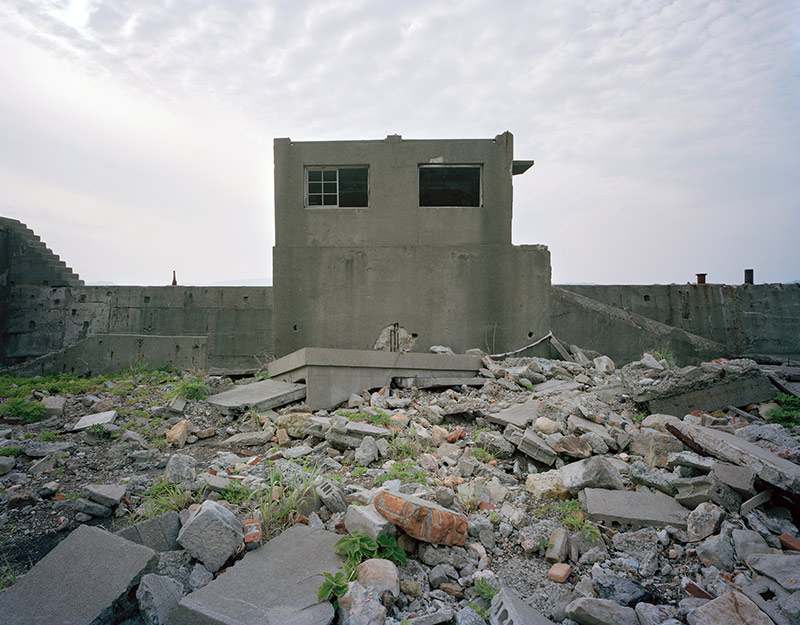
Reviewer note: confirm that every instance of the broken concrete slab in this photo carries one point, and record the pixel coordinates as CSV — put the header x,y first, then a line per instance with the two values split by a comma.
x,y
534,446
332,375
732,608
708,387
276,584
519,415
212,535
768,466
101,418
259,395
508,608
86,579
159,533
632,509
783,568
108,495
739,478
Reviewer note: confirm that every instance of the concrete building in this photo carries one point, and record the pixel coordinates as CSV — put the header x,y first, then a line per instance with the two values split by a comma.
x,y
409,232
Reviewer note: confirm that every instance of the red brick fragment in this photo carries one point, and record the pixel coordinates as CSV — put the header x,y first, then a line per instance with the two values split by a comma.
x,y
695,590
423,520
559,572
789,543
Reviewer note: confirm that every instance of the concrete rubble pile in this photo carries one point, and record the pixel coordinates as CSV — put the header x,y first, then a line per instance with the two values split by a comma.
x,y
583,493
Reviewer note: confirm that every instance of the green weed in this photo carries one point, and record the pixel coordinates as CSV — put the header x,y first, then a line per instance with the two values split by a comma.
x,y
191,388
278,504
28,411
482,454
400,447
405,471
165,496
235,493
379,418
664,354
11,450
788,415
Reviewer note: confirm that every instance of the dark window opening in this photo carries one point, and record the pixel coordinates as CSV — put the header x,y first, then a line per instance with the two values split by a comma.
x,y
450,186
337,187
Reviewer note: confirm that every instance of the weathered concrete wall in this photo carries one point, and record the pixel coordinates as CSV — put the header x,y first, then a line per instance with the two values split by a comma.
x,y
746,320
236,322
450,275
467,296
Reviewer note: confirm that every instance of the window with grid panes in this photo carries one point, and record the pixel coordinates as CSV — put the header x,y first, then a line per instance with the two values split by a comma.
x,y
336,187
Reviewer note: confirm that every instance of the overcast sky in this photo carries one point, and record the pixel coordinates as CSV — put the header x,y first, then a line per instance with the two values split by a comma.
x,y
136,136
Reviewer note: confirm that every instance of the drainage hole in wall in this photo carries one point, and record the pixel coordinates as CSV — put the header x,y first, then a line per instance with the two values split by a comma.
x,y
646,298
74,312
294,328
146,299
32,325
414,335
530,335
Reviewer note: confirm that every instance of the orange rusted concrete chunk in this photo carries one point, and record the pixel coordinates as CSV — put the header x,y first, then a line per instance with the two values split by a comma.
x,y
423,520
179,433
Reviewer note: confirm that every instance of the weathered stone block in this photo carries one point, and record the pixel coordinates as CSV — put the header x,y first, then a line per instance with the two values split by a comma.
x,y
367,519
212,535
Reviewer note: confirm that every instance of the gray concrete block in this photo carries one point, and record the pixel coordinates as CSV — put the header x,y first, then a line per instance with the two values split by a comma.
x,y
276,584
259,395
108,495
368,520
508,608
628,509
739,478
519,415
84,580
534,446
159,533
766,465
158,595
783,568
212,535
101,418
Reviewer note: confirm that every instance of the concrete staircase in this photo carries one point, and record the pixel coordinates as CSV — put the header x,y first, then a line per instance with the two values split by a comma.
x,y
27,260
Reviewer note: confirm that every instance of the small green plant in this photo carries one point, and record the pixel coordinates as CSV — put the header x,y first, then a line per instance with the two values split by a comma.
x,y
664,354
28,411
379,418
400,447
482,455
493,517
165,496
279,503
7,576
788,415
235,493
358,471
405,471
48,436
335,584
191,388
638,418
11,450
485,590
358,546
99,431
571,517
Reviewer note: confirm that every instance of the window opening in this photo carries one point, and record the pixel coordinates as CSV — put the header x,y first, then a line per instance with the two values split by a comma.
x,y
336,187
450,185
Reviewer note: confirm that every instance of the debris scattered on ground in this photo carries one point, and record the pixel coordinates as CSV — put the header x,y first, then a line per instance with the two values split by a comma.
x,y
570,491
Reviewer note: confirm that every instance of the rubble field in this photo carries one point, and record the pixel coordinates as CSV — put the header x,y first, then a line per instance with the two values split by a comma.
x,y
548,491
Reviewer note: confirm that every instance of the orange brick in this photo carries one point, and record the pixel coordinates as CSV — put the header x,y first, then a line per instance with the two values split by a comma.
x,y
790,543
423,520
559,572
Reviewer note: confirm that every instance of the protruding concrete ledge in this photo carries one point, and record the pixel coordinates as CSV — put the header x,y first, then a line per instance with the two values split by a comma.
x,y
259,395
331,375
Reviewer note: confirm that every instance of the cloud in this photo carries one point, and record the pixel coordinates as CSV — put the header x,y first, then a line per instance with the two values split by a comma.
x,y
665,123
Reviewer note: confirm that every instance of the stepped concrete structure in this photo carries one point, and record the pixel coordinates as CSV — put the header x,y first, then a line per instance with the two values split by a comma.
x,y
393,245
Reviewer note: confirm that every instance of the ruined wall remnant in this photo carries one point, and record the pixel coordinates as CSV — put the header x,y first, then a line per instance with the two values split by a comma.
x,y
50,320
450,272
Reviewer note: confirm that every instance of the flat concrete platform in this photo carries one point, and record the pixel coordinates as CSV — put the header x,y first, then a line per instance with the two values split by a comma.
x,y
274,585
259,395
629,509
332,375
85,579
